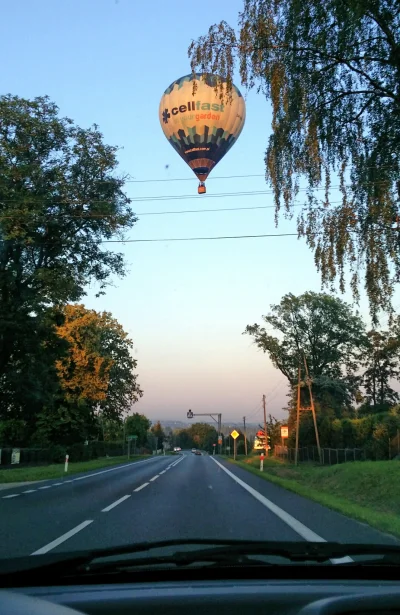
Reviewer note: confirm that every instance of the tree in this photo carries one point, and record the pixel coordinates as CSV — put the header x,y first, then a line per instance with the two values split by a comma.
x,y
183,438
382,366
60,199
29,382
98,368
332,71
138,425
327,332
203,436
158,433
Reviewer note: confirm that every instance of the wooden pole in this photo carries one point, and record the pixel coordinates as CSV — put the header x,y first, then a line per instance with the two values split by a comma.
x,y
308,380
296,453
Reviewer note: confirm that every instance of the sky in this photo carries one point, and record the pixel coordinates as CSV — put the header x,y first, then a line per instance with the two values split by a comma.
x,y
185,304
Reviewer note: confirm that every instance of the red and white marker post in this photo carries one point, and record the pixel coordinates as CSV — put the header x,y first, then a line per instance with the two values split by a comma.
x,y
261,462
66,463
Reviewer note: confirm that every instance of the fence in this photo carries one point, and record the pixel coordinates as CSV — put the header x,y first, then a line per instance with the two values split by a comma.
x,y
56,454
330,456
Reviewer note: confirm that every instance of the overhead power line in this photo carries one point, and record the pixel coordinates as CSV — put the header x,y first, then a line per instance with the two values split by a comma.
x,y
191,179
212,178
90,215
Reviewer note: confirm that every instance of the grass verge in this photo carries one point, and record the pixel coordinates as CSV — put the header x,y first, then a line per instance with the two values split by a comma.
x,y
56,470
368,491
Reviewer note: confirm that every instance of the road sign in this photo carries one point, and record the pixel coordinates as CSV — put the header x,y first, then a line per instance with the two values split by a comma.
x,y
284,432
235,434
219,439
132,437
214,445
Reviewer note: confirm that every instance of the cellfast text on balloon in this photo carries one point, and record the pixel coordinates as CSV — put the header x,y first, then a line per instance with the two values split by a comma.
x,y
194,106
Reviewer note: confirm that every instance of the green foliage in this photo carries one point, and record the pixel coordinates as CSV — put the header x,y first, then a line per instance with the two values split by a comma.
x,y
138,425
376,434
183,438
325,330
60,198
382,366
13,432
158,434
331,71
203,436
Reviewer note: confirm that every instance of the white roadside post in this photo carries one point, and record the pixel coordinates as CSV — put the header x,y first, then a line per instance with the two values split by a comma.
x,y
66,463
261,462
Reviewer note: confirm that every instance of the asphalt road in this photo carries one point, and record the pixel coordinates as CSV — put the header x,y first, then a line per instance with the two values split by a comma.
x,y
184,496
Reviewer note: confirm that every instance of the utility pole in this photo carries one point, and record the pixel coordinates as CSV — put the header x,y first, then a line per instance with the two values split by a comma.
x,y
265,426
308,381
297,417
245,437
220,433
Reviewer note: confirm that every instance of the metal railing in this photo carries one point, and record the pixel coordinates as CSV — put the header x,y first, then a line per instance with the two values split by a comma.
x,y
330,456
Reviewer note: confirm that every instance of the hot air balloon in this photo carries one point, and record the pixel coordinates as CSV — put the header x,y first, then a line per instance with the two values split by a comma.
x,y
201,127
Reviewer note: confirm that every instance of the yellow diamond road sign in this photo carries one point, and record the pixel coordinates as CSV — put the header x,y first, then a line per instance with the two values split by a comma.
x,y
235,434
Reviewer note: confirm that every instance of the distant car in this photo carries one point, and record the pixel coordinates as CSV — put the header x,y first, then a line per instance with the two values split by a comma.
x,y
197,452
194,450
177,449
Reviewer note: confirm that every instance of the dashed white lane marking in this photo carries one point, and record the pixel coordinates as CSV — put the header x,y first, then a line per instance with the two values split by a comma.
x,y
114,504
63,538
29,491
293,523
13,495
163,472
154,478
45,487
141,487
55,485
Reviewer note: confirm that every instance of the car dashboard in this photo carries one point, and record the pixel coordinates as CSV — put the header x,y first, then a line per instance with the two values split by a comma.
x,y
211,597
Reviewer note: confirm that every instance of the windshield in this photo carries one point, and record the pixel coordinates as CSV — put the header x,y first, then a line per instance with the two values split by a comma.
x,y
199,265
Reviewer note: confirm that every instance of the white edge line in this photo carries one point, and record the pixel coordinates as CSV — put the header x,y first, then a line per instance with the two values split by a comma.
x,y
154,478
141,487
63,538
133,463
114,504
293,523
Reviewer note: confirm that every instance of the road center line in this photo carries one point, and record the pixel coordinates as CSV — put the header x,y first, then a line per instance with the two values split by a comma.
x,y
141,487
13,495
293,523
154,478
114,504
45,487
62,538
163,472
29,491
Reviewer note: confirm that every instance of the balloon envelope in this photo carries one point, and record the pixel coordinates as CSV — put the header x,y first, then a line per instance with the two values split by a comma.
x,y
201,127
